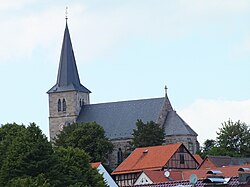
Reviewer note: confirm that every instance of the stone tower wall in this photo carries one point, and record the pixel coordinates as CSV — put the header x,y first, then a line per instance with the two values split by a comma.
x,y
58,119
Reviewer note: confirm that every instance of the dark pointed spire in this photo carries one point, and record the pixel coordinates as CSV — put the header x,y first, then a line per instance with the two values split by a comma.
x,y
67,78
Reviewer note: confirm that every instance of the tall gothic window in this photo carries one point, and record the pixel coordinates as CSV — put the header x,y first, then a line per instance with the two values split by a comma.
x,y
59,105
64,105
119,156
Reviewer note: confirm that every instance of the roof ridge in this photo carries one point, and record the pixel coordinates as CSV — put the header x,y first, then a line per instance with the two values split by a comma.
x,y
132,100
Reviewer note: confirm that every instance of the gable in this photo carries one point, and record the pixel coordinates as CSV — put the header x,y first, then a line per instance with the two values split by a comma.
x,y
143,179
182,159
119,118
145,159
207,164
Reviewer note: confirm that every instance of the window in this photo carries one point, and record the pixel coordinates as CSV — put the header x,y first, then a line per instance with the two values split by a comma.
x,y
119,156
80,102
182,161
64,105
59,105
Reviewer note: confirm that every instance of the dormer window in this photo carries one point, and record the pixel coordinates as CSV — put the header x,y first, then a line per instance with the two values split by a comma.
x,y
64,105
59,105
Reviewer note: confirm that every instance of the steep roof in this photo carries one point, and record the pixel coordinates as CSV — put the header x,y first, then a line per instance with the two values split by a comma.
x,y
67,78
175,125
198,158
147,158
119,118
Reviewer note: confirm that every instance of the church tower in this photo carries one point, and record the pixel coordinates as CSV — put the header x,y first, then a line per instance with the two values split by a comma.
x,y
68,95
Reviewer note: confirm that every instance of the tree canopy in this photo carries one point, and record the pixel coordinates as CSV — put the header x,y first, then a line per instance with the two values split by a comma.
x,y
89,137
28,159
147,134
73,169
232,140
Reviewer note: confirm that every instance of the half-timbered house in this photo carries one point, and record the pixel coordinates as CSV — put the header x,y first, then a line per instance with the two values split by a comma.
x,y
156,158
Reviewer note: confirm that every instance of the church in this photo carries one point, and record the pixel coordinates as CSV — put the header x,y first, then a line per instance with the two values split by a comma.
x,y
69,102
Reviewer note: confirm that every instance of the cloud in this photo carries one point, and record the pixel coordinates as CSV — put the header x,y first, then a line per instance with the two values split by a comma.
x,y
98,31
206,116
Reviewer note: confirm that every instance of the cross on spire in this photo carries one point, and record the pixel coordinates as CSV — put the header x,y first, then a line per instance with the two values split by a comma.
x,y
66,13
166,90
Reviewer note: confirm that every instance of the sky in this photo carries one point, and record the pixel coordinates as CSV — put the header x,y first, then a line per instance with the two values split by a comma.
x,y
128,50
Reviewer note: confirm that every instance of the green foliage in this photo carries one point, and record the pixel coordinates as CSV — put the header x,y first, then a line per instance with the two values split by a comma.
x,y
24,152
28,160
207,148
149,134
40,181
74,169
89,137
232,140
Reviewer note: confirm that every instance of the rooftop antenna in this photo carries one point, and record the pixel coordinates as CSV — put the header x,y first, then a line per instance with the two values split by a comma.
x,y
66,13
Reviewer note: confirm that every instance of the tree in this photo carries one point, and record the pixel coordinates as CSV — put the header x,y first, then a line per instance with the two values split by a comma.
x,y
74,169
24,152
234,138
207,147
89,137
28,159
149,134
40,181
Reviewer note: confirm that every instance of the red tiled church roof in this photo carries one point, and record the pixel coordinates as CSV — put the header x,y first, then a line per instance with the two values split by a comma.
x,y
147,158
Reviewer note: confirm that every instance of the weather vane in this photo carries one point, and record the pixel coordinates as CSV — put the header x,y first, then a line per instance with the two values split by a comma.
x,y
66,13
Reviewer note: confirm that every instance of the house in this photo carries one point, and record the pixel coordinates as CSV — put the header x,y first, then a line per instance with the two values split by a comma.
x,y
107,178
155,158
69,102
211,162
152,177
221,176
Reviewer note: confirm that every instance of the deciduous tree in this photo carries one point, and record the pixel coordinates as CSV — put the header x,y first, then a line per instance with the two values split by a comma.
x,y
89,137
147,134
234,138
28,159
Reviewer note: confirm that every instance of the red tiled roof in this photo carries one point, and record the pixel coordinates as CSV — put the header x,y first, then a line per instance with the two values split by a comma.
x,y
227,171
95,164
158,176
198,158
147,158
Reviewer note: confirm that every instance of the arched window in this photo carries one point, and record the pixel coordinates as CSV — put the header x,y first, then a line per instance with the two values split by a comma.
x,y
59,105
64,105
119,156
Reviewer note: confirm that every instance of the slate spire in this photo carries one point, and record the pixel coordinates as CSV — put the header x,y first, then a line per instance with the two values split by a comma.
x,y
68,78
